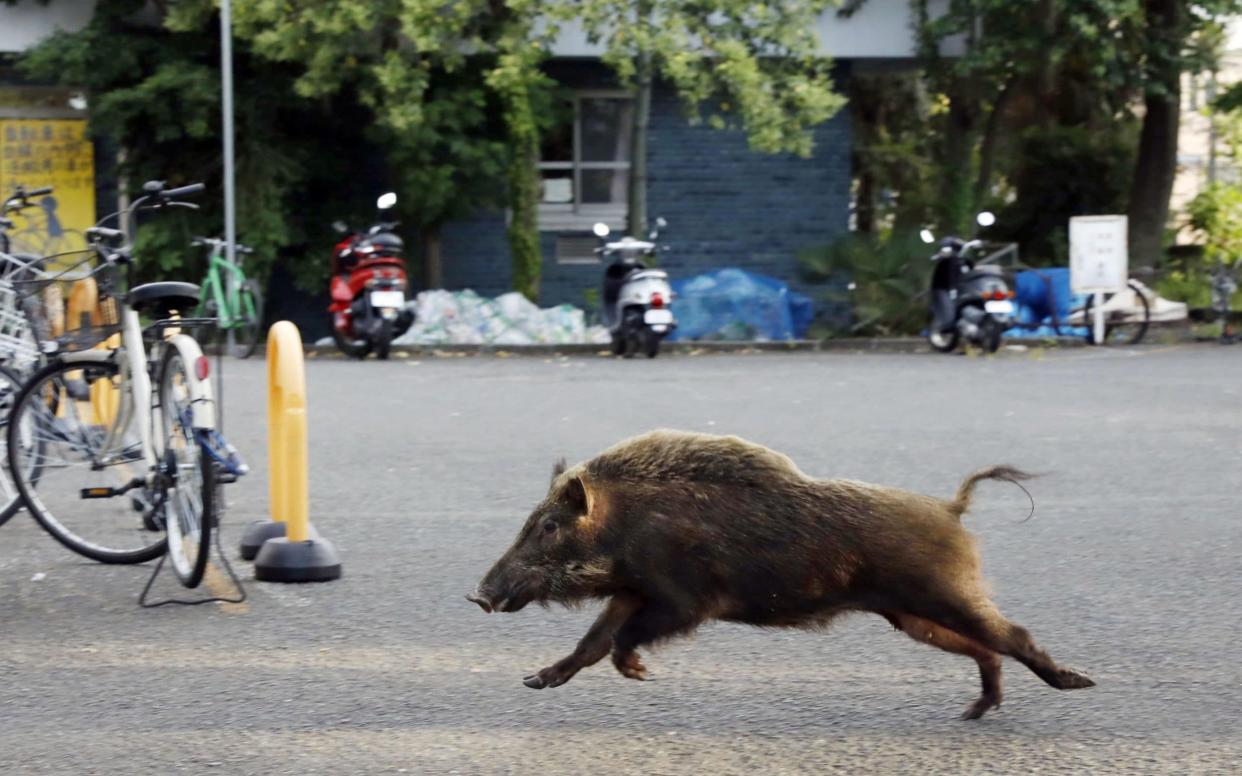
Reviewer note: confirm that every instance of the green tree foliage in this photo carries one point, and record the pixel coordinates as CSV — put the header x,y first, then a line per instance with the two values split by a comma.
x,y
152,78
879,278
448,87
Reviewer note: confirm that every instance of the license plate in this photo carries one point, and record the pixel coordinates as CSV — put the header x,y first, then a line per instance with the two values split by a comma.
x,y
387,299
658,316
1001,307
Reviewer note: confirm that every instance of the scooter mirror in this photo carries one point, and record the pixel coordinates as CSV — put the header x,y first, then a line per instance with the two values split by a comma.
x,y
986,218
927,237
661,223
386,201
601,229
339,226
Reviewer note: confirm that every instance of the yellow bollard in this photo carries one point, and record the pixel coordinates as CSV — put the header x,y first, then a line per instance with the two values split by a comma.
x,y
294,554
286,429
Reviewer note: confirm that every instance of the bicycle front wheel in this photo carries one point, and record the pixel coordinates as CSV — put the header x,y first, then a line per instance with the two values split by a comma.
x,y
10,498
186,474
77,465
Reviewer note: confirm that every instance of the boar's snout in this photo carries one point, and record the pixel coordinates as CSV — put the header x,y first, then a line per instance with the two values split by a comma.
x,y
483,601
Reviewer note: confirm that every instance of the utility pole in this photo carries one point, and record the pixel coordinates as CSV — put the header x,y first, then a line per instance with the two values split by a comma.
x,y
226,91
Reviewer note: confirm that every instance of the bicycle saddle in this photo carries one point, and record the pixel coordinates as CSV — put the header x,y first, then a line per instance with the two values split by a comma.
x,y
161,299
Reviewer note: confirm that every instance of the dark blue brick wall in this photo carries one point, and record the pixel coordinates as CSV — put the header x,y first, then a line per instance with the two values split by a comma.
x,y
726,205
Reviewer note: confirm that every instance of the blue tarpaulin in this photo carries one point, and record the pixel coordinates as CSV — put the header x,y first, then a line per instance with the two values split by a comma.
x,y
733,304
1042,296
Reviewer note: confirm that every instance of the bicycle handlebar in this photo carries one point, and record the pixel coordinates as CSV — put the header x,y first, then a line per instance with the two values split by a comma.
x,y
220,242
101,233
183,191
20,199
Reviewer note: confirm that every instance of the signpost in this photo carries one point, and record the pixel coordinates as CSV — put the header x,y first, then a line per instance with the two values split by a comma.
x,y
1099,260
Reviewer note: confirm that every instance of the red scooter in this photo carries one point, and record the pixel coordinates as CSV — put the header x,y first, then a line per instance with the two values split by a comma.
x,y
368,306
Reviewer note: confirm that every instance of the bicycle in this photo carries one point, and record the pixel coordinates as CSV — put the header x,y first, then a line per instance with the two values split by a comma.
x,y
1127,315
125,429
1224,285
235,301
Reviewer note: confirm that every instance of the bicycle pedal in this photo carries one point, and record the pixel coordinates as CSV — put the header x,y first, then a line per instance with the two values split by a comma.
x,y
102,492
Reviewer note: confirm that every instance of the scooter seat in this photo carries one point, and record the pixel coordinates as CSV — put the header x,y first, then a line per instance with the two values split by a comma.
x,y
161,299
986,271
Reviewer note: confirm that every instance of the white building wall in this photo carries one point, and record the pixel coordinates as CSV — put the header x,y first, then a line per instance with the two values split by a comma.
x,y
29,21
880,29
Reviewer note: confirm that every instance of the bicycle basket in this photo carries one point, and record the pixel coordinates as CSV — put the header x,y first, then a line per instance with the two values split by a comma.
x,y
19,344
70,309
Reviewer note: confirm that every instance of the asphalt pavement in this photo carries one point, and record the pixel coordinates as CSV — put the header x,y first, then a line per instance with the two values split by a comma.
x,y
423,469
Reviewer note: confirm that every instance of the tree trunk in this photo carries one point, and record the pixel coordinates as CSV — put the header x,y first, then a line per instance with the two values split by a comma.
x,y
1156,165
523,179
433,267
956,196
636,220
636,217
987,149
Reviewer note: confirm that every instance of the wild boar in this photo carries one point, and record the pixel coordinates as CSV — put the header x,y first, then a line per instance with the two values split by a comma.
x,y
676,528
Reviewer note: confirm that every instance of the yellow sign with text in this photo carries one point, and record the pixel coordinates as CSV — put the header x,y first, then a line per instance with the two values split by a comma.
x,y
49,152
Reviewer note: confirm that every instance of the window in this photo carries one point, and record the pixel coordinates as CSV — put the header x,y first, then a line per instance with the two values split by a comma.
x,y
584,164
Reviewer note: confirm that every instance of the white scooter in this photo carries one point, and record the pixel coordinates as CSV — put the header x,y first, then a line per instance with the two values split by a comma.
x,y
635,298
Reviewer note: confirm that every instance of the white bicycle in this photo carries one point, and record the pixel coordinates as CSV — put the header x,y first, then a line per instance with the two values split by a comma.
x,y
112,444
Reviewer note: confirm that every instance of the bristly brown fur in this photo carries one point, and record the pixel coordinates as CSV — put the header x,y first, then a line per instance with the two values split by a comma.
x,y
677,528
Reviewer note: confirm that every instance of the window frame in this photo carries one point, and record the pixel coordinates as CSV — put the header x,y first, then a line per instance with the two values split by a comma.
x,y
577,216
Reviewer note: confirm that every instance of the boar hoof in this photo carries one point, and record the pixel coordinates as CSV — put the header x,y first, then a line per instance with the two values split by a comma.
x,y
630,666
535,682
553,676
980,707
1069,679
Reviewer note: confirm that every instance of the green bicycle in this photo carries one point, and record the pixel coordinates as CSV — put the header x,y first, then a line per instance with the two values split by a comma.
x,y
234,300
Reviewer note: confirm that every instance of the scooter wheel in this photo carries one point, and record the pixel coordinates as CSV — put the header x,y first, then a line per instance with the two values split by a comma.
x,y
991,335
617,345
944,342
354,348
651,344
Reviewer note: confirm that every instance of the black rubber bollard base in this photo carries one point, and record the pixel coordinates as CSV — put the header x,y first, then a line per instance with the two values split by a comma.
x,y
281,560
257,533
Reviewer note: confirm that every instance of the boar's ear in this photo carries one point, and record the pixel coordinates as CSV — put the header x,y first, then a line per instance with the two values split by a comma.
x,y
577,495
558,469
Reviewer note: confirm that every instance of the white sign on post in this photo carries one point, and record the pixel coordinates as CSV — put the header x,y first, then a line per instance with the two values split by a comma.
x,y
1099,262
1099,255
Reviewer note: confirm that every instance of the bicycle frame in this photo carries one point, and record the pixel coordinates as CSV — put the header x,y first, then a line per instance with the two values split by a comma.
x,y
135,380
224,283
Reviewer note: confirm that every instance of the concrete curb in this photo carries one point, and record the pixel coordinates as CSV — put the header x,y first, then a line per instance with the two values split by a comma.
x,y
845,345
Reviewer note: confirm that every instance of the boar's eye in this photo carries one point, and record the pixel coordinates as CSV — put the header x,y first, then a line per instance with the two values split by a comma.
x,y
549,526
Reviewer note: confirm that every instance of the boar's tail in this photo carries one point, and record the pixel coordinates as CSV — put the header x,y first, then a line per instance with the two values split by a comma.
x,y
961,501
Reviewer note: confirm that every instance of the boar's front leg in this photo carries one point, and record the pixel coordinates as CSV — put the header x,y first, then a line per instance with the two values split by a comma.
x,y
655,621
593,646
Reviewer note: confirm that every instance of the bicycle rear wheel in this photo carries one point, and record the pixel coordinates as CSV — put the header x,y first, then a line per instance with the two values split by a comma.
x,y
185,472
243,340
76,465
1126,327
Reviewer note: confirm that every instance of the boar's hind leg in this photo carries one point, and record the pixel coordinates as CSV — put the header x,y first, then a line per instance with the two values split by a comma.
x,y
989,662
985,624
593,646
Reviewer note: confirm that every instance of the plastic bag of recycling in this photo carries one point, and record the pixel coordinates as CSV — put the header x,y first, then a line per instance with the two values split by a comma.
x,y
733,304
465,318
